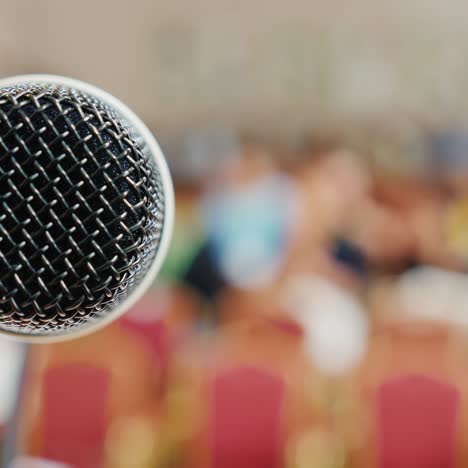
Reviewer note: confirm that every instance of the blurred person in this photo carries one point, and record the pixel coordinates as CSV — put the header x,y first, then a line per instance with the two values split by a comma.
x,y
432,218
369,222
248,213
332,188
330,184
377,228
249,220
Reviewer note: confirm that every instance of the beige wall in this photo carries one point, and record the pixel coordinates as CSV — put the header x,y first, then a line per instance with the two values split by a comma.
x,y
249,63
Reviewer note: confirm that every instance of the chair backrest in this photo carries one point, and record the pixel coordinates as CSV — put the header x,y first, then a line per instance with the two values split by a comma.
x,y
417,423
75,412
246,421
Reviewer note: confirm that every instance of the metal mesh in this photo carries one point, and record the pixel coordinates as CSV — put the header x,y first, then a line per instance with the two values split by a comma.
x,y
81,209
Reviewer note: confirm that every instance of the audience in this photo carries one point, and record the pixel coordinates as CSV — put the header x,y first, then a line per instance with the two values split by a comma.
x,y
319,288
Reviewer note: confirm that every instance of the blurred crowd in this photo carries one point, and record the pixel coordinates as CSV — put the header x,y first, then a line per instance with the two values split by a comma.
x,y
312,313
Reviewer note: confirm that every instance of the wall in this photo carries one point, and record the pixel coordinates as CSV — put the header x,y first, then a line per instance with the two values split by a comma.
x,y
262,65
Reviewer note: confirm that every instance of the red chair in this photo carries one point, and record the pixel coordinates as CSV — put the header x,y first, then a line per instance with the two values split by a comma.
x,y
417,423
246,419
411,397
75,415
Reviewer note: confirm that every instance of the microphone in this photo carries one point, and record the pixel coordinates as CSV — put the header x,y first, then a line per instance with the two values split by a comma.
x,y
86,208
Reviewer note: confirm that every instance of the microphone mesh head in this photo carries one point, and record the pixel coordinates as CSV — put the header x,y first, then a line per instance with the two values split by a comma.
x,y
81,209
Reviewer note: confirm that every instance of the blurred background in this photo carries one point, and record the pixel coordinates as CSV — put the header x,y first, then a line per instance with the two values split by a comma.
x,y
313,309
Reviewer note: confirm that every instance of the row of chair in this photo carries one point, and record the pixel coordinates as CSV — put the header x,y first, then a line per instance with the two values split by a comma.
x,y
250,397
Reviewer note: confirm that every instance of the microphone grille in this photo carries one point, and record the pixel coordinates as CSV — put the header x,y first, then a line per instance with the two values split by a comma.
x,y
81,209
